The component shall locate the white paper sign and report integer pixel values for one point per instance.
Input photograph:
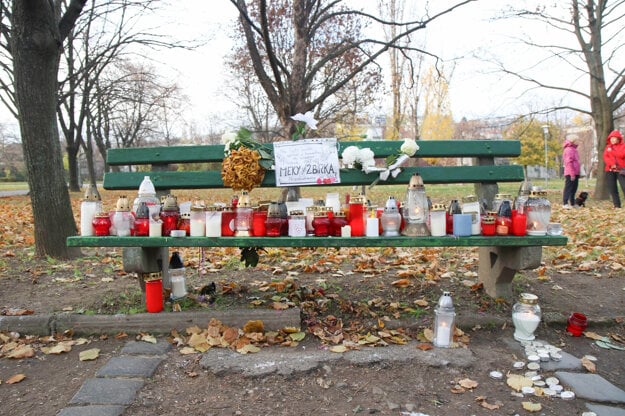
(306, 162)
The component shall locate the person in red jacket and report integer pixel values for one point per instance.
(614, 159)
(570, 158)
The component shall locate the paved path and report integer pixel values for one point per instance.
(18, 192)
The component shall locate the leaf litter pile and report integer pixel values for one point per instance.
(349, 298)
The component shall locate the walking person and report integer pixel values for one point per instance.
(614, 159)
(570, 158)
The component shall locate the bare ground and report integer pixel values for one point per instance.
(358, 287)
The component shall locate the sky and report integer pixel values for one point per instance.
(475, 91)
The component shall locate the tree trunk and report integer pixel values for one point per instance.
(73, 167)
(36, 51)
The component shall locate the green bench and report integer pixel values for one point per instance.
(500, 257)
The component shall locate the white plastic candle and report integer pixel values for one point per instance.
(443, 335)
(156, 228)
(373, 227)
(346, 231)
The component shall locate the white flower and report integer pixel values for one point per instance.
(306, 118)
(366, 157)
(349, 155)
(228, 139)
(409, 147)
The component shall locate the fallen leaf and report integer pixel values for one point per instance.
(424, 347)
(298, 336)
(401, 283)
(589, 365)
(249, 348)
(467, 383)
(89, 355)
(15, 378)
(148, 338)
(532, 407)
(421, 302)
(187, 351)
(23, 351)
(517, 381)
(338, 348)
(594, 335)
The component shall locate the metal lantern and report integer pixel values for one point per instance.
(416, 211)
(444, 322)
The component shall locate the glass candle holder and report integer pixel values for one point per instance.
(101, 224)
(227, 222)
(519, 224)
(321, 224)
(538, 211)
(526, 316)
(337, 223)
(577, 324)
(356, 216)
(437, 220)
(259, 219)
(297, 224)
(488, 225)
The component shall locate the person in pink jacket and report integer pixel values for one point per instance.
(570, 158)
(614, 159)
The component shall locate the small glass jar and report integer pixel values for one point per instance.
(273, 224)
(337, 223)
(170, 215)
(488, 224)
(243, 219)
(102, 224)
(538, 211)
(438, 225)
(321, 224)
(526, 316)
(297, 224)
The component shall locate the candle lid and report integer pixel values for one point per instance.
(102, 214)
(528, 298)
(439, 207)
(360, 199)
(92, 194)
(296, 213)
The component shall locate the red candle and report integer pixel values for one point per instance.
(142, 226)
(273, 226)
(503, 225)
(227, 223)
(577, 324)
(258, 223)
(519, 223)
(488, 225)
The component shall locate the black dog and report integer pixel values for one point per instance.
(580, 201)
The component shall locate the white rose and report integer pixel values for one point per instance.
(349, 155)
(228, 138)
(409, 147)
(365, 155)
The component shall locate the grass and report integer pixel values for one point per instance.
(13, 186)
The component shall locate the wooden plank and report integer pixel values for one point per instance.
(382, 149)
(447, 241)
(212, 179)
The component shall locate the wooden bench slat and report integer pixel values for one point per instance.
(447, 241)
(215, 153)
(212, 179)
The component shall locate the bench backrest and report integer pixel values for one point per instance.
(483, 169)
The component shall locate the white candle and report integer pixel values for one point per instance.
(156, 228)
(443, 335)
(373, 227)
(346, 231)
(178, 287)
(525, 324)
(197, 228)
(213, 224)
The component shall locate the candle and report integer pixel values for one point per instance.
(197, 228)
(373, 228)
(155, 228)
(346, 231)
(443, 335)
(525, 324)
(519, 224)
(213, 223)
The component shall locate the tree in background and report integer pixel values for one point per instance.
(438, 122)
(304, 66)
(590, 45)
(530, 133)
(37, 33)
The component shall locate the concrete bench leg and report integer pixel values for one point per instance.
(498, 265)
(147, 260)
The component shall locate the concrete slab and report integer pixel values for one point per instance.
(28, 324)
(146, 348)
(107, 391)
(602, 410)
(301, 359)
(92, 411)
(165, 322)
(568, 362)
(591, 387)
(129, 366)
